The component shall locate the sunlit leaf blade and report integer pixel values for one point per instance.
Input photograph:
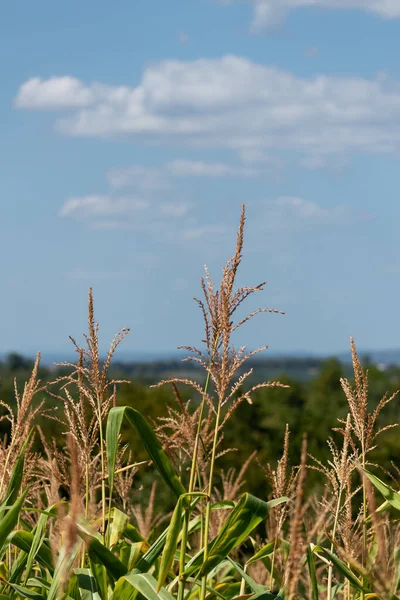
(73, 588)
(277, 501)
(24, 541)
(39, 534)
(99, 572)
(25, 592)
(129, 553)
(143, 583)
(247, 514)
(9, 521)
(149, 558)
(149, 440)
(17, 568)
(387, 492)
(63, 569)
(132, 534)
(99, 552)
(15, 482)
(116, 526)
(341, 567)
(171, 543)
(256, 588)
(87, 585)
(263, 552)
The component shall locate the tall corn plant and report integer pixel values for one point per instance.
(88, 548)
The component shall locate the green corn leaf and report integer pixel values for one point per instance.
(313, 573)
(197, 584)
(174, 531)
(392, 497)
(339, 587)
(14, 484)
(263, 552)
(100, 553)
(247, 514)
(256, 588)
(24, 541)
(17, 568)
(149, 440)
(132, 534)
(99, 572)
(25, 592)
(113, 565)
(143, 583)
(195, 523)
(73, 588)
(37, 541)
(277, 501)
(9, 521)
(129, 554)
(87, 585)
(63, 568)
(117, 526)
(38, 582)
(171, 543)
(149, 558)
(225, 589)
(341, 567)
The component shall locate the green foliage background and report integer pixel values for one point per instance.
(312, 404)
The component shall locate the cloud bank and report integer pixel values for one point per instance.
(269, 13)
(228, 103)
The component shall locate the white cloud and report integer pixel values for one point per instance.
(110, 212)
(93, 206)
(192, 168)
(143, 178)
(170, 220)
(156, 179)
(269, 13)
(174, 209)
(295, 212)
(54, 93)
(235, 104)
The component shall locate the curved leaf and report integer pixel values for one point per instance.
(144, 583)
(87, 584)
(263, 552)
(247, 514)
(149, 440)
(171, 543)
(24, 541)
(341, 567)
(173, 534)
(9, 521)
(99, 552)
(392, 497)
(15, 482)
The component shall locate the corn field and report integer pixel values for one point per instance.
(219, 541)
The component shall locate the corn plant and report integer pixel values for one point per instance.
(213, 545)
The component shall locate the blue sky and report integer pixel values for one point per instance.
(133, 131)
